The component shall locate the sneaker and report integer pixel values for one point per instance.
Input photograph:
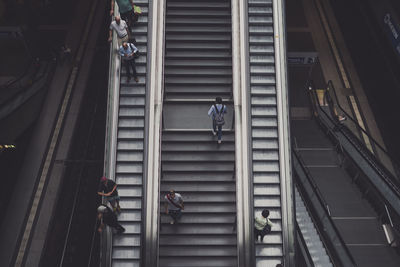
(136, 79)
(219, 141)
(172, 222)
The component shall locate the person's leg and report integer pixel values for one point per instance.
(125, 17)
(214, 126)
(112, 203)
(256, 234)
(126, 63)
(262, 237)
(124, 39)
(118, 206)
(120, 40)
(119, 228)
(173, 214)
(219, 132)
(133, 66)
(178, 215)
(114, 224)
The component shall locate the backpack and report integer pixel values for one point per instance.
(219, 116)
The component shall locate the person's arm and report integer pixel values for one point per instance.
(101, 194)
(211, 110)
(112, 191)
(269, 222)
(121, 53)
(127, 30)
(112, 8)
(181, 203)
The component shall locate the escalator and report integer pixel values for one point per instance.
(198, 67)
(271, 185)
(345, 173)
(127, 140)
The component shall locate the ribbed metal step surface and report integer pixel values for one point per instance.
(311, 237)
(198, 67)
(130, 143)
(264, 129)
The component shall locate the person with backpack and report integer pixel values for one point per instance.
(128, 53)
(262, 225)
(174, 205)
(107, 217)
(217, 112)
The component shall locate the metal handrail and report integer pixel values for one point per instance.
(302, 242)
(20, 77)
(327, 240)
(380, 170)
(330, 87)
(311, 180)
(110, 138)
(283, 114)
(385, 174)
(47, 71)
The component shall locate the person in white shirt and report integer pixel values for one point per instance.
(121, 28)
(173, 205)
(262, 225)
(128, 52)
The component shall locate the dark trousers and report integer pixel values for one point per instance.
(258, 233)
(217, 129)
(175, 214)
(130, 63)
(262, 233)
(127, 16)
(111, 220)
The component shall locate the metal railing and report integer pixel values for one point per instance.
(376, 150)
(111, 138)
(20, 95)
(303, 247)
(330, 237)
(378, 183)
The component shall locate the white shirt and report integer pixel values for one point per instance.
(121, 29)
(177, 200)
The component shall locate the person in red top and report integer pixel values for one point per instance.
(108, 189)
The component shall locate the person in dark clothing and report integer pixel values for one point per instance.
(107, 217)
(128, 53)
(108, 189)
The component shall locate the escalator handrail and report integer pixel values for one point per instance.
(110, 138)
(309, 204)
(20, 77)
(361, 129)
(365, 153)
(311, 180)
(302, 242)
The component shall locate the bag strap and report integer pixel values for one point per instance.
(173, 203)
(218, 111)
